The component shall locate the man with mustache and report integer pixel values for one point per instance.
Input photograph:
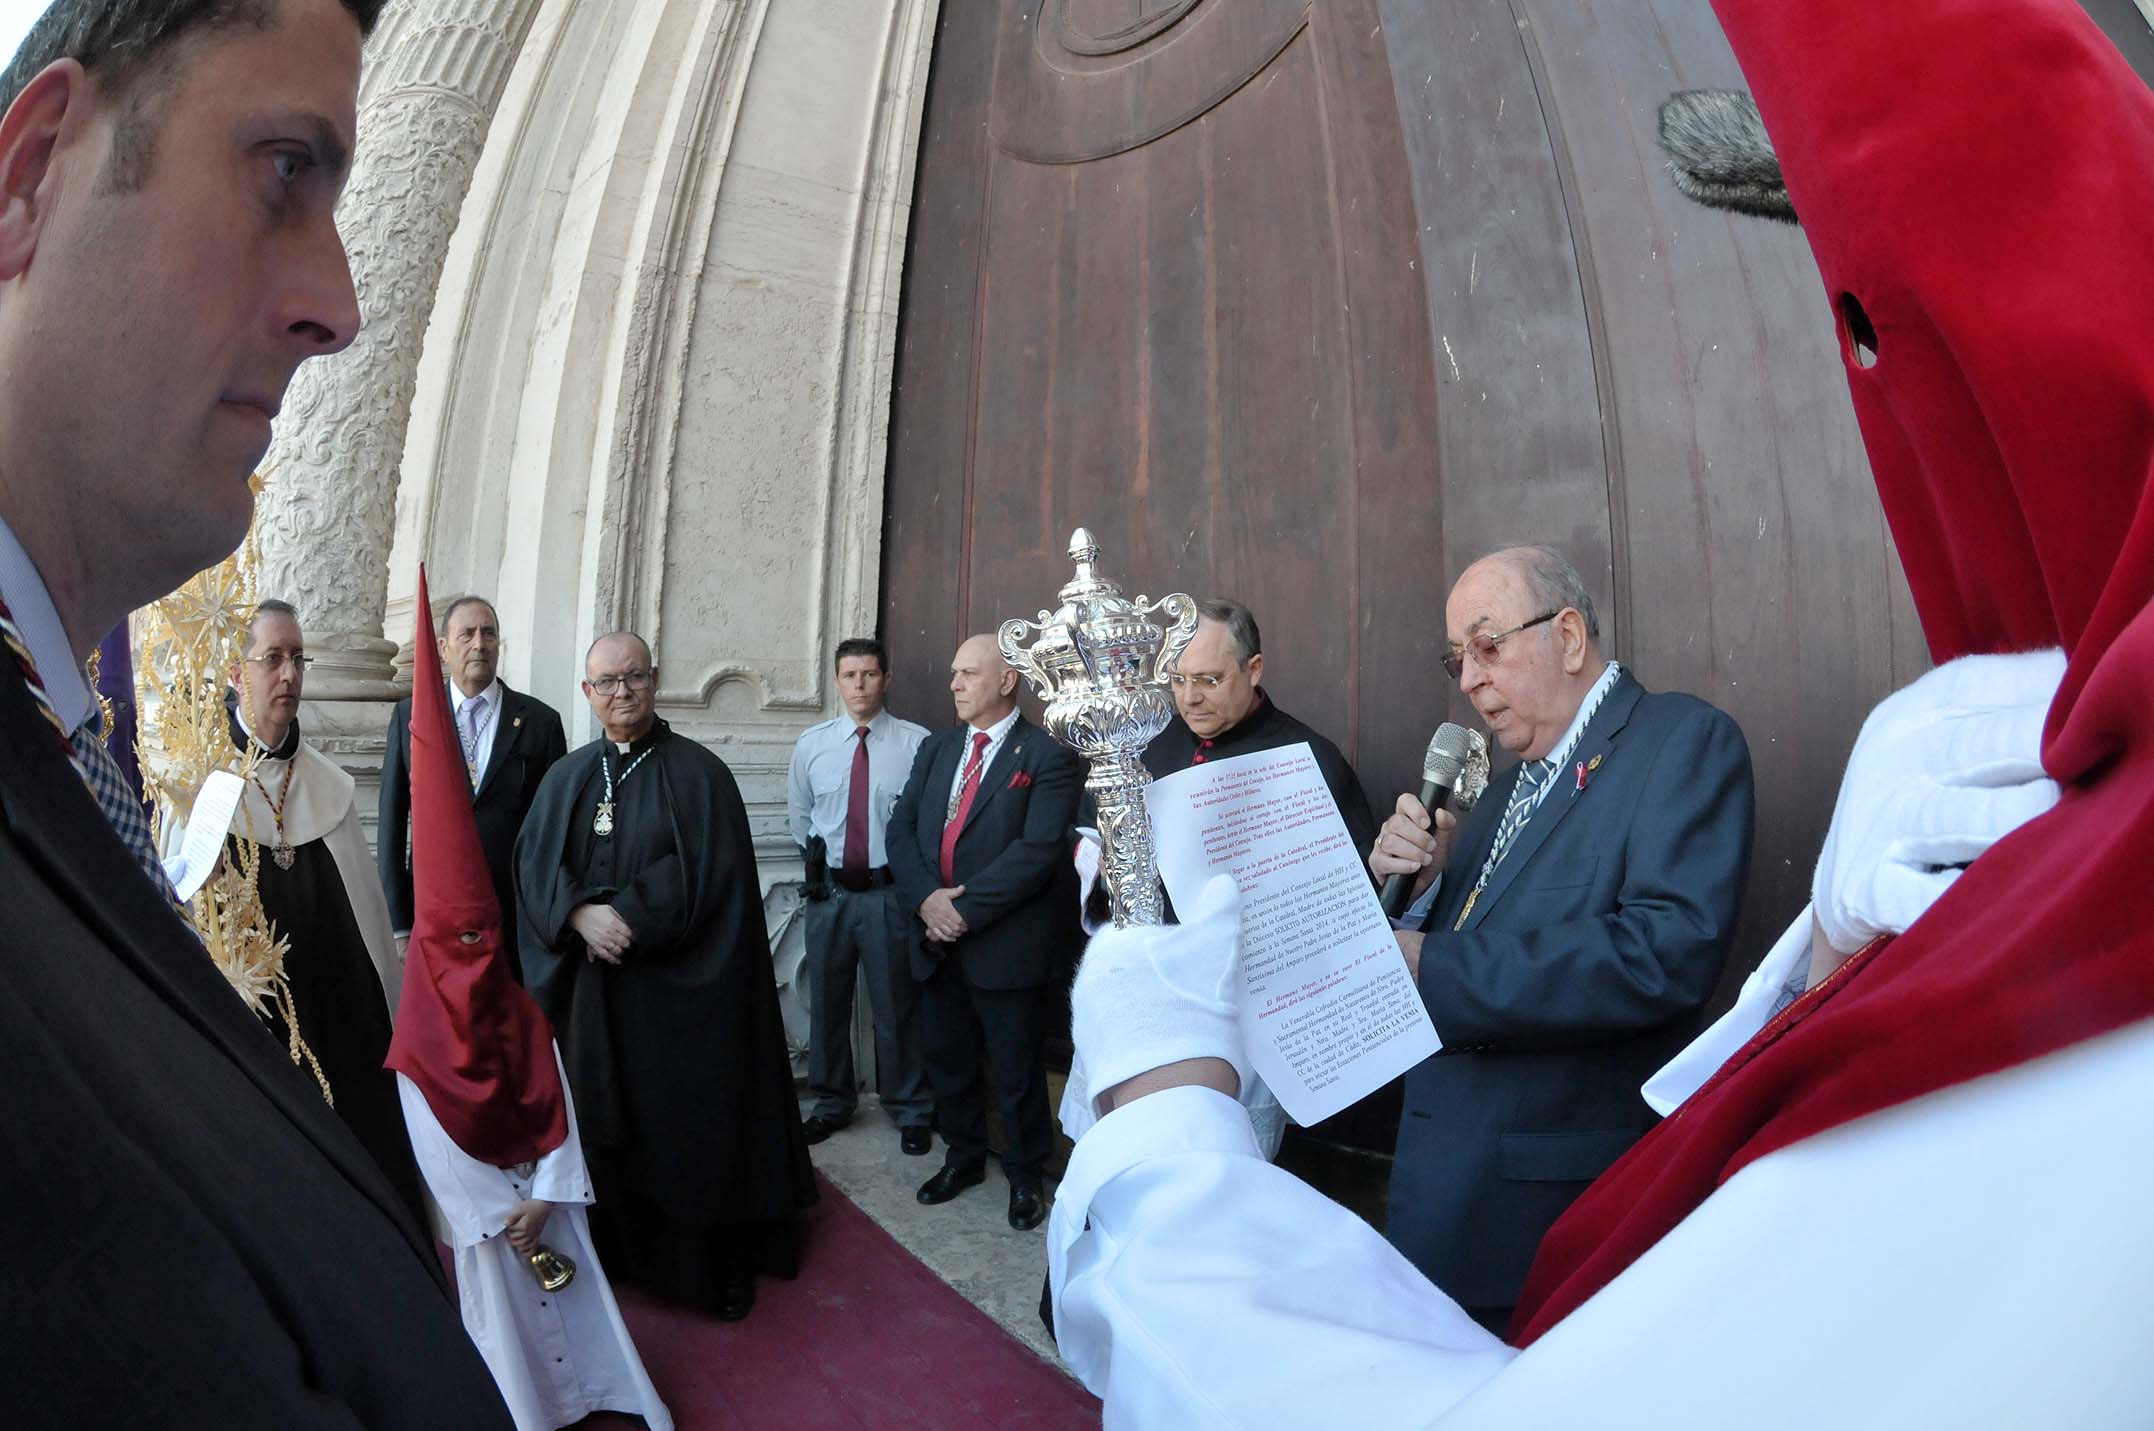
(510, 739)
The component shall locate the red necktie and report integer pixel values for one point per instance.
(853, 873)
(956, 827)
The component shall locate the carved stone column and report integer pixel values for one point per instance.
(436, 72)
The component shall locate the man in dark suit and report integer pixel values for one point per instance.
(510, 741)
(1580, 922)
(979, 847)
(193, 1238)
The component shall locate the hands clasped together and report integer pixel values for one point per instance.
(939, 913)
(606, 936)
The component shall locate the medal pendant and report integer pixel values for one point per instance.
(603, 824)
(282, 854)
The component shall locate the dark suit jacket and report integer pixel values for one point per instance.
(192, 1238)
(1581, 969)
(527, 741)
(1013, 857)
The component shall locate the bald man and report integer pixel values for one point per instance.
(641, 922)
(979, 848)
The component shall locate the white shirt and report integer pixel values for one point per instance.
(489, 719)
(1978, 1257)
(996, 734)
(819, 782)
(57, 666)
(1559, 753)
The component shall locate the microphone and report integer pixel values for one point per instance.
(1440, 769)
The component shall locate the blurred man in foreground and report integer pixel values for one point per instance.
(194, 1238)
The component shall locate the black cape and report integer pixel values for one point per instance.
(676, 1057)
(336, 995)
(1268, 728)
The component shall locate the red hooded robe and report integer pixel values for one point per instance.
(1977, 180)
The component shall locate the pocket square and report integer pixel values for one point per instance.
(1021, 780)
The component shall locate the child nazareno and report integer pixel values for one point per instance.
(490, 1119)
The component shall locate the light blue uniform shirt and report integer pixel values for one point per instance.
(821, 778)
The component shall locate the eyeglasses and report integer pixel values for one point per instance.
(273, 660)
(1203, 683)
(1486, 649)
(633, 680)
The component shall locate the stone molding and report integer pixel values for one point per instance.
(657, 267)
(435, 75)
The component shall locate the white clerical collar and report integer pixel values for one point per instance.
(57, 666)
(1609, 675)
(1000, 728)
(491, 695)
(239, 713)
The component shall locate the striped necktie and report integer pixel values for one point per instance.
(1532, 775)
(471, 738)
(86, 751)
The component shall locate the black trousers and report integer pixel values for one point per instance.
(846, 933)
(960, 1024)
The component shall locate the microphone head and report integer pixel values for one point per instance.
(1448, 751)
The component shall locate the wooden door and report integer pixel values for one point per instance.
(1310, 303)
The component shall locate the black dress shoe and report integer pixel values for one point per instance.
(816, 1128)
(1027, 1207)
(950, 1182)
(916, 1140)
(736, 1298)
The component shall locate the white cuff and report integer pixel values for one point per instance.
(1787, 961)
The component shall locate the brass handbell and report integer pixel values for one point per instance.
(552, 1269)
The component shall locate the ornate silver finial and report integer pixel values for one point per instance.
(1101, 666)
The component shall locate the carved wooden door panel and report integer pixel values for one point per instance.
(1163, 284)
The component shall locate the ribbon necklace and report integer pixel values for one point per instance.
(602, 823)
(281, 851)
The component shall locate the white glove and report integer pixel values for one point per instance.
(1087, 856)
(1943, 769)
(1152, 995)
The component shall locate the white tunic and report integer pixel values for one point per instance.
(1980, 1257)
(557, 1356)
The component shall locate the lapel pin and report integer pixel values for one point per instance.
(517, 724)
(1586, 768)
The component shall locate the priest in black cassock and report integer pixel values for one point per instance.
(316, 881)
(641, 921)
(1221, 711)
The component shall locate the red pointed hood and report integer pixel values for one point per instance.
(467, 1034)
(1977, 180)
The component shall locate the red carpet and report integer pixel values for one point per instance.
(866, 1338)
